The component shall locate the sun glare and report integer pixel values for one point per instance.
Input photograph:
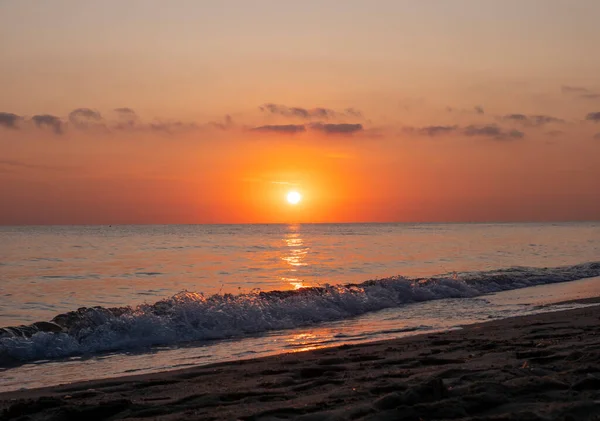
(294, 197)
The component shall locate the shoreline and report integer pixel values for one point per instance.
(538, 366)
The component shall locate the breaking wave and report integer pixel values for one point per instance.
(190, 316)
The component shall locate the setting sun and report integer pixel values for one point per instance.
(294, 197)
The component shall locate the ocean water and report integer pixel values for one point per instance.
(138, 299)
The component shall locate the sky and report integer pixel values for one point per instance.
(193, 111)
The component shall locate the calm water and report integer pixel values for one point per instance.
(45, 271)
(48, 270)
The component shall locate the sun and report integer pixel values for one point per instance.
(293, 197)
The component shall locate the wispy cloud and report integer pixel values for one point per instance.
(127, 119)
(47, 120)
(342, 128)
(580, 92)
(125, 111)
(478, 109)
(309, 113)
(9, 120)
(326, 128)
(171, 127)
(123, 119)
(86, 118)
(595, 117)
(492, 131)
(533, 120)
(574, 89)
(432, 131)
(281, 128)
(226, 124)
(20, 164)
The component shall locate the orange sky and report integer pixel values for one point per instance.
(211, 114)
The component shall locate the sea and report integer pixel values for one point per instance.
(89, 302)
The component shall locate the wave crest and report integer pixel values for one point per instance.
(190, 316)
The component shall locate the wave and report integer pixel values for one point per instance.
(190, 316)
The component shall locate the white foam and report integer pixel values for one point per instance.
(190, 316)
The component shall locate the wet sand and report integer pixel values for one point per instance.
(542, 367)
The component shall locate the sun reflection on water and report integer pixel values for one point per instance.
(304, 342)
(294, 256)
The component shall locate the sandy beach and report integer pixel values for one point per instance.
(538, 367)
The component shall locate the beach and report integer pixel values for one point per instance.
(539, 367)
(314, 210)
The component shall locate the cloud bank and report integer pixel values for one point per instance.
(490, 131)
(281, 128)
(337, 128)
(329, 128)
(533, 120)
(309, 113)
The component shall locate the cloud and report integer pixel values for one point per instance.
(539, 120)
(281, 128)
(47, 120)
(12, 163)
(20, 164)
(555, 133)
(574, 90)
(492, 131)
(432, 131)
(85, 118)
(226, 125)
(475, 110)
(9, 120)
(581, 92)
(170, 127)
(127, 118)
(125, 111)
(342, 128)
(515, 117)
(352, 112)
(595, 117)
(305, 113)
(533, 120)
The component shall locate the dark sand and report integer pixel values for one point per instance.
(541, 367)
